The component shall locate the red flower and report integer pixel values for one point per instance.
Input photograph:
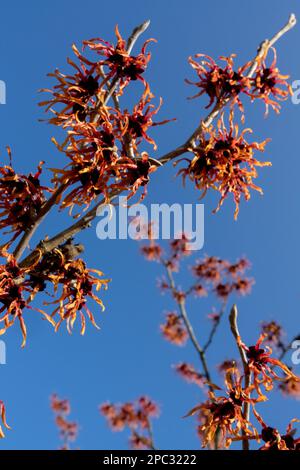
(225, 278)
(96, 166)
(275, 441)
(261, 364)
(13, 287)
(225, 414)
(68, 429)
(189, 373)
(136, 416)
(273, 332)
(152, 252)
(120, 64)
(77, 284)
(209, 269)
(76, 93)
(291, 387)
(270, 86)
(60, 406)
(136, 124)
(219, 83)
(180, 247)
(224, 161)
(174, 330)
(21, 199)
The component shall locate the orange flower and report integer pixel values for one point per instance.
(136, 416)
(224, 414)
(219, 83)
(269, 85)
(275, 441)
(120, 64)
(77, 283)
(224, 161)
(261, 364)
(290, 387)
(274, 333)
(68, 430)
(96, 165)
(224, 277)
(152, 252)
(174, 330)
(3, 419)
(77, 93)
(60, 406)
(13, 287)
(21, 198)
(189, 373)
(136, 124)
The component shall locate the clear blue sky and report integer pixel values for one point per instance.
(128, 357)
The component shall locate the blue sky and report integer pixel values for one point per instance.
(128, 357)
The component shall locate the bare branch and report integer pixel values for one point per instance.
(188, 325)
(235, 331)
(23, 243)
(215, 327)
(47, 245)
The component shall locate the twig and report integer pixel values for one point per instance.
(286, 348)
(151, 436)
(215, 327)
(47, 245)
(235, 331)
(188, 325)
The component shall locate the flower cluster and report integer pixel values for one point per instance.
(275, 441)
(21, 199)
(134, 126)
(174, 329)
(121, 65)
(222, 276)
(14, 287)
(68, 430)
(223, 418)
(224, 161)
(75, 95)
(102, 142)
(136, 416)
(219, 83)
(274, 334)
(290, 387)
(224, 414)
(58, 268)
(225, 83)
(76, 283)
(262, 365)
(269, 85)
(190, 374)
